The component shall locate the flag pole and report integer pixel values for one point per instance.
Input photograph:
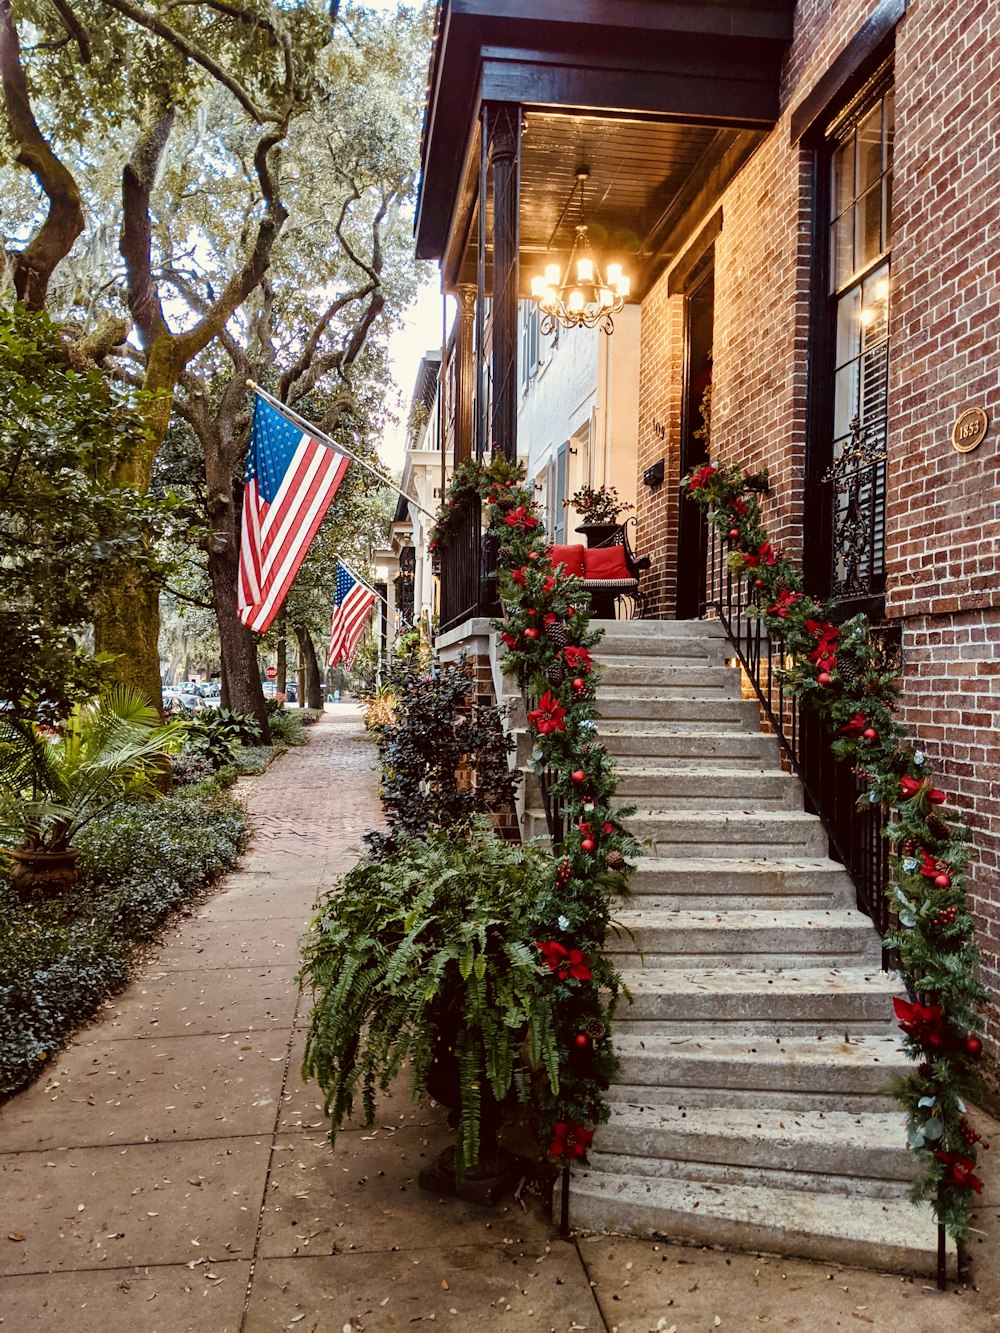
(337, 448)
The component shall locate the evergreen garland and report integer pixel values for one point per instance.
(546, 632)
(840, 672)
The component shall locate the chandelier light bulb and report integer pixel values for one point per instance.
(575, 303)
(553, 275)
(614, 275)
(538, 286)
(585, 269)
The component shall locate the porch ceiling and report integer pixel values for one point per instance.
(654, 96)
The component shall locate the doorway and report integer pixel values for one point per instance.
(692, 525)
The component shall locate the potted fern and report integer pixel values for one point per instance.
(419, 957)
(53, 783)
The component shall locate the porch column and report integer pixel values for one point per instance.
(465, 370)
(503, 122)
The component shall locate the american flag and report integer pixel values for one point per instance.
(351, 609)
(290, 480)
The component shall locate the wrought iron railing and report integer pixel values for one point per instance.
(460, 563)
(832, 790)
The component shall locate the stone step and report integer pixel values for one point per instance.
(741, 884)
(615, 630)
(719, 713)
(697, 747)
(653, 787)
(888, 1234)
(819, 1001)
(760, 833)
(767, 939)
(624, 648)
(683, 675)
(809, 1150)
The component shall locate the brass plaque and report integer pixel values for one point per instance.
(969, 429)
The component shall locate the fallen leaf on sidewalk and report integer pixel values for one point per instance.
(14, 1235)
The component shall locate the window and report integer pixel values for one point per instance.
(558, 491)
(530, 342)
(858, 286)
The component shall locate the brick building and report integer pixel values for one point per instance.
(807, 195)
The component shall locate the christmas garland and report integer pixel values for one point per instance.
(839, 671)
(471, 477)
(548, 639)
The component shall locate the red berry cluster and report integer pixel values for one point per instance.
(970, 1136)
(564, 872)
(944, 918)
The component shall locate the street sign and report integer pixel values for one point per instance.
(271, 672)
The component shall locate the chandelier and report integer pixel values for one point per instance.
(580, 295)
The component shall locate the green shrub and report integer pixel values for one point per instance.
(60, 959)
(287, 726)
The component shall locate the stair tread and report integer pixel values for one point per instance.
(722, 865)
(860, 1050)
(886, 1129)
(885, 1222)
(744, 919)
(714, 817)
(727, 980)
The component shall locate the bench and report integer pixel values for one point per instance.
(610, 574)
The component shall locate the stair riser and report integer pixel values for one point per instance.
(826, 1080)
(717, 712)
(753, 942)
(648, 674)
(725, 750)
(750, 850)
(656, 804)
(850, 1176)
(708, 630)
(625, 955)
(683, 650)
(791, 1100)
(838, 1012)
(598, 1213)
(681, 1029)
(798, 886)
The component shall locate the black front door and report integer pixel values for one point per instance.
(692, 531)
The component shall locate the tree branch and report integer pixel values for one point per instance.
(305, 358)
(155, 25)
(75, 29)
(138, 178)
(34, 265)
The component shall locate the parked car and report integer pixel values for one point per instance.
(181, 701)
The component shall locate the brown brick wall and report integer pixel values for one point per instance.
(943, 519)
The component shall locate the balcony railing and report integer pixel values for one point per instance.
(832, 790)
(467, 567)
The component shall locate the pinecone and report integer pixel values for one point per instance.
(505, 505)
(937, 828)
(615, 861)
(595, 1029)
(506, 554)
(849, 670)
(556, 673)
(558, 634)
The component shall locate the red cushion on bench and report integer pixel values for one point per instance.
(605, 562)
(570, 557)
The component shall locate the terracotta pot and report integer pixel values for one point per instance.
(36, 874)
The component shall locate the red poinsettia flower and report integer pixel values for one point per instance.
(786, 600)
(931, 867)
(518, 576)
(853, 729)
(738, 508)
(549, 714)
(699, 478)
(911, 786)
(922, 1022)
(767, 553)
(962, 1170)
(549, 618)
(578, 659)
(569, 1139)
(520, 518)
(565, 962)
(509, 639)
(548, 583)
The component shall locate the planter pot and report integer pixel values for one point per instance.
(43, 874)
(599, 534)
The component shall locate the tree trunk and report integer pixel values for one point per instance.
(127, 625)
(312, 697)
(281, 680)
(240, 672)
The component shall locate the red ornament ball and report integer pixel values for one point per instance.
(734, 534)
(531, 633)
(941, 881)
(870, 734)
(579, 775)
(582, 1040)
(579, 683)
(758, 583)
(532, 555)
(823, 678)
(588, 844)
(973, 1045)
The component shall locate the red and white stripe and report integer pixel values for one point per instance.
(348, 623)
(275, 537)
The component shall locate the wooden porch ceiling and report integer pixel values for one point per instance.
(661, 99)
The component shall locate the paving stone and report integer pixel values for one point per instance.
(198, 1002)
(163, 1203)
(174, 1299)
(506, 1287)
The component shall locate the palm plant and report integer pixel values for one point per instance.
(52, 784)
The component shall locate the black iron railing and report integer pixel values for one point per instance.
(853, 825)
(461, 559)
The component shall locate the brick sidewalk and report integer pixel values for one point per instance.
(172, 1172)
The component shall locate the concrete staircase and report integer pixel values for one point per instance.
(753, 1109)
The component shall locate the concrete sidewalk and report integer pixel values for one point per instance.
(172, 1171)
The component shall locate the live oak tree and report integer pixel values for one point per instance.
(223, 196)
